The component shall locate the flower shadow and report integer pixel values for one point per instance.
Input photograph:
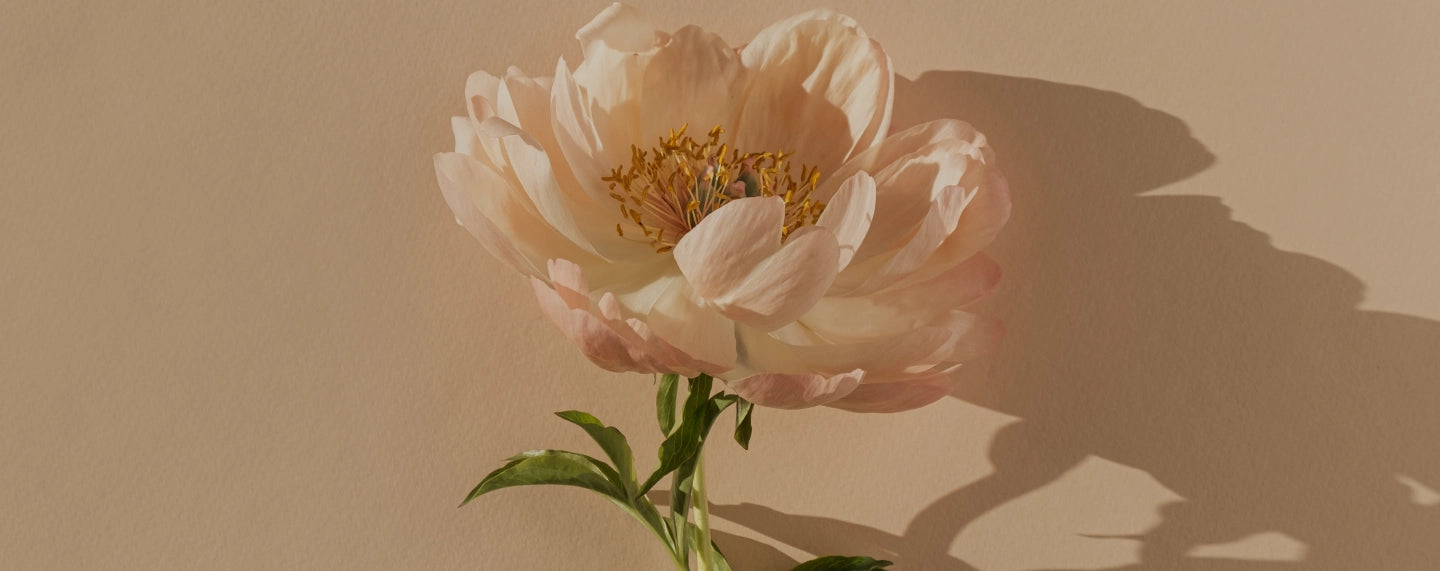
(1159, 333)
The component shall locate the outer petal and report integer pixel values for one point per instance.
(499, 216)
(848, 214)
(821, 89)
(881, 357)
(602, 332)
(895, 397)
(881, 270)
(906, 308)
(985, 214)
(795, 391)
(597, 341)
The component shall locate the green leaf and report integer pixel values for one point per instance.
(612, 442)
(665, 402)
(551, 467)
(682, 445)
(842, 563)
(742, 423)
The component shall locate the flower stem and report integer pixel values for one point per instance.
(700, 507)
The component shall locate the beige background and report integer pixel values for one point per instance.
(239, 329)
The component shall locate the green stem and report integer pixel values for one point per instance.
(700, 502)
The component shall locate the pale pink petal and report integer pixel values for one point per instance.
(972, 336)
(597, 341)
(721, 252)
(821, 89)
(895, 397)
(848, 214)
(569, 282)
(696, 79)
(795, 391)
(682, 320)
(785, 285)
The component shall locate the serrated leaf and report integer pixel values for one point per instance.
(551, 467)
(613, 442)
(842, 563)
(665, 402)
(743, 427)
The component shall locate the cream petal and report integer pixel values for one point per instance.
(984, 215)
(481, 92)
(592, 147)
(496, 213)
(906, 191)
(821, 89)
(682, 320)
(787, 284)
(889, 356)
(795, 391)
(895, 397)
(899, 309)
(911, 141)
(722, 251)
(848, 214)
(695, 79)
(618, 27)
(570, 210)
(878, 271)
(466, 142)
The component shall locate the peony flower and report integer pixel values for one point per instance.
(681, 205)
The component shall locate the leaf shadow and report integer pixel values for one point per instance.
(1157, 332)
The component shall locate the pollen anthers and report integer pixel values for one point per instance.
(669, 189)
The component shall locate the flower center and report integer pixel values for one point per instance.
(669, 189)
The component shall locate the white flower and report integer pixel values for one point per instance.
(685, 206)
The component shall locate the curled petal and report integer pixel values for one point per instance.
(895, 397)
(848, 214)
(736, 263)
(498, 215)
(599, 342)
(729, 244)
(794, 391)
(821, 88)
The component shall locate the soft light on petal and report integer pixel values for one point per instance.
(895, 397)
(821, 89)
(848, 214)
(795, 391)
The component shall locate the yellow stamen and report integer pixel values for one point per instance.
(684, 180)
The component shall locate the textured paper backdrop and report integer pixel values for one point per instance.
(239, 329)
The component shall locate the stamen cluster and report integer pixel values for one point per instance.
(669, 189)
